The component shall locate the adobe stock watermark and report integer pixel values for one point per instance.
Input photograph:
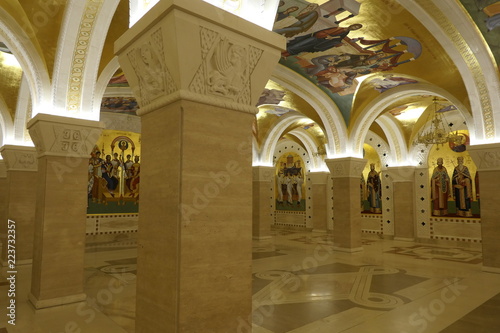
(425, 315)
(87, 310)
(287, 281)
(218, 181)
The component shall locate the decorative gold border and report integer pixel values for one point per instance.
(469, 58)
(82, 45)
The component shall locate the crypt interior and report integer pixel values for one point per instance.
(249, 166)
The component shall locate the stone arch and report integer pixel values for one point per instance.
(335, 127)
(77, 60)
(456, 32)
(372, 111)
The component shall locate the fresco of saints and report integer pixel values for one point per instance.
(440, 186)
(462, 188)
(374, 189)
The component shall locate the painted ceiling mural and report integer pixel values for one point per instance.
(337, 44)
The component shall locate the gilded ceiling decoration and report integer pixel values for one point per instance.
(337, 44)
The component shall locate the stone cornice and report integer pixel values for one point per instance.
(486, 157)
(263, 173)
(19, 158)
(401, 173)
(184, 95)
(319, 178)
(63, 136)
(346, 167)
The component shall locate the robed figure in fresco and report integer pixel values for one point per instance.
(440, 186)
(374, 189)
(462, 188)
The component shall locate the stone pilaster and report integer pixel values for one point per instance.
(20, 201)
(63, 147)
(345, 173)
(487, 159)
(403, 183)
(263, 190)
(320, 204)
(197, 73)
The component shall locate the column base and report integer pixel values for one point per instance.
(491, 269)
(348, 249)
(404, 239)
(48, 303)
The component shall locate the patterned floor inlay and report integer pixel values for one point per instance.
(300, 297)
(483, 319)
(429, 253)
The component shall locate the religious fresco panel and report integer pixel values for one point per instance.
(114, 173)
(290, 183)
(454, 180)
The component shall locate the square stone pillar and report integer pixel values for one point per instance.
(403, 183)
(346, 214)
(320, 201)
(63, 146)
(487, 160)
(197, 73)
(3, 205)
(263, 192)
(20, 199)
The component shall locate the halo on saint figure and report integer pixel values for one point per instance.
(460, 144)
(123, 145)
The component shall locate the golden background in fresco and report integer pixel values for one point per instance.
(371, 155)
(380, 20)
(450, 160)
(267, 119)
(107, 137)
(10, 81)
(284, 158)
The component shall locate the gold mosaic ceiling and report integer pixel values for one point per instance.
(351, 87)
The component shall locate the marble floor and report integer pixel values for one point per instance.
(299, 285)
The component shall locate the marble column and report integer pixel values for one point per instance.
(63, 146)
(403, 184)
(487, 159)
(20, 191)
(320, 201)
(197, 73)
(263, 191)
(345, 173)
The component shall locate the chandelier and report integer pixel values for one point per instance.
(437, 132)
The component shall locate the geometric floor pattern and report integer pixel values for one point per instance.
(300, 285)
(439, 253)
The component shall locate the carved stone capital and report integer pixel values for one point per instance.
(19, 158)
(263, 173)
(401, 173)
(319, 178)
(486, 157)
(346, 167)
(193, 50)
(63, 136)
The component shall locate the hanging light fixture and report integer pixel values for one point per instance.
(437, 133)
